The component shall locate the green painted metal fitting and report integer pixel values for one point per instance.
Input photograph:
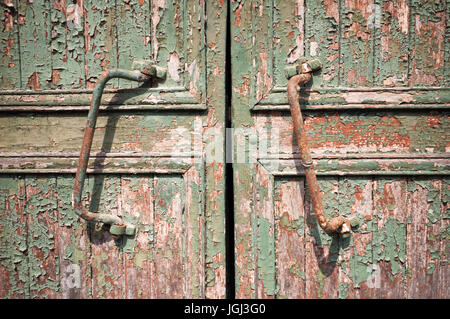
(345, 235)
(117, 229)
(148, 67)
(315, 64)
(122, 230)
(302, 66)
(290, 71)
(355, 221)
(130, 230)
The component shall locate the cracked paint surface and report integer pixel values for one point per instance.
(369, 50)
(52, 54)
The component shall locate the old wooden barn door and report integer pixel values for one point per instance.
(148, 163)
(377, 122)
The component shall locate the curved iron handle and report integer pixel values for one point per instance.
(144, 72)
(337, 223)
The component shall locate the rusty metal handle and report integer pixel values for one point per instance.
(337, 223)
(144, 71)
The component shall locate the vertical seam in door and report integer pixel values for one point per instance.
(229, 193)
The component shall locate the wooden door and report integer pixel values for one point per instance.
(148, 160)
(378, 126)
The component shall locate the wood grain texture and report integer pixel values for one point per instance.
(290, 239)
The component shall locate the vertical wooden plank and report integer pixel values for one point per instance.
(14, 273)
(72, 242)
(444, 237)
(194, 240)
(10, 53)
(137, 202)
(424, 210)
(264, 233)
(288, 41)
(188, 46)
(290, 239)
(435, 251)
(427, 42)
(168, 42)
(389, 239)
(170, 281)
(322, 34)
(214, 171)
(100, 33)
(241, 76)
(262, 50)
(43, 259)
(322, 249)
(67, 44)
(356, 45)
(35, 37)
(356, 271)
(447, 46)
(133, 33)
(391, 21)
(107, 258)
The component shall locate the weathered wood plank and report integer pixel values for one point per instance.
(347, 132)
(265, 254)
(214, 171)
(444, 237)
(286, 35)
(137, 203)
(14, 271)
(119, 164)
(194, 239)
(9, 41)
(133, 35)
(245, 269)
(263, 54)
(35, 39)
(169, 280)
(72, 242)
(100, 33)
(115, 132)
(107, 257)
(67, 44)
(389, 238)
(322, 32)
(359, 98)
(422, 249)
(189, 46)
(356, 273)
(427, 42)
(290, 238)
(392, 52)
(322, 250)
(167, 19)
(43, 260)
(356, 43)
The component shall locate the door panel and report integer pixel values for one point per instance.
(149, 163)
(376, 117)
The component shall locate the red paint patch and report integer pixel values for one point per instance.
(33, 81)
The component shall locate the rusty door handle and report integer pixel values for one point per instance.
(303, 75)
(143, 71)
